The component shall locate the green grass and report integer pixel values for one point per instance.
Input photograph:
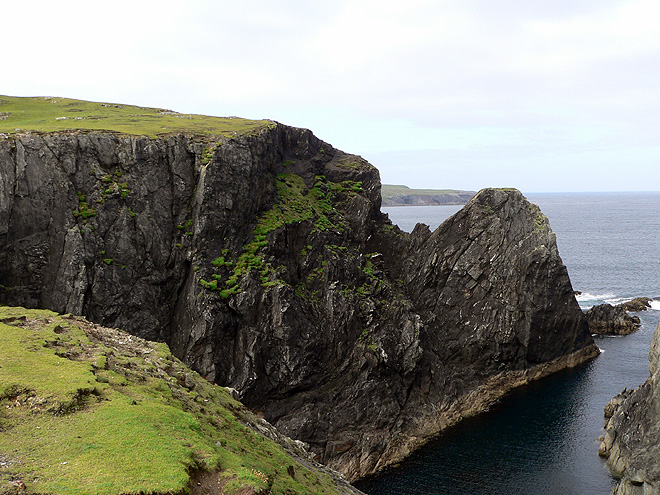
(46, 114)
(87, 410)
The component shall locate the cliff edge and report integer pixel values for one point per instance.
(263, 260)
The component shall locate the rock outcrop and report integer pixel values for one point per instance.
(264, 261)
(637, 304)
(632, 433)
(605, 319)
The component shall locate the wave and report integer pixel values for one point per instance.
(586, 300)
(586, 296)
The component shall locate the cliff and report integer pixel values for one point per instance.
(93, 410)
(394, 195)
(632, 436)
(262, 258)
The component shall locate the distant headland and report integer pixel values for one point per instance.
(398, 195)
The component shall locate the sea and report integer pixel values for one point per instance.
(543, 438)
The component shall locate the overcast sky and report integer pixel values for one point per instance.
(543, 96)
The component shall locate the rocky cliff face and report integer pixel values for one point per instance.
(264, 262)
(632, 434)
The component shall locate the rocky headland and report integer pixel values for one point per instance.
(632, 433)
(397, 195)
(262, 259)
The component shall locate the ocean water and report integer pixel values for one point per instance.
(542, 438)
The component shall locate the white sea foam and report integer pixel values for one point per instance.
(616, 300)
(586, 300)
(586, 296)
(655, 304)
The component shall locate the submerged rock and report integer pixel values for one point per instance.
(264, 261)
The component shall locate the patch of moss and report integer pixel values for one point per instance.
(207, 155)
(213, 285)
(83, 211)
(220, 262)
(354, 163)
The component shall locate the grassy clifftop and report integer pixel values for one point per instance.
(90, 410)
(49, 114)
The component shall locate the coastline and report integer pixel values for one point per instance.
(476, 401)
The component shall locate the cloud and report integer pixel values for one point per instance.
(369, 76)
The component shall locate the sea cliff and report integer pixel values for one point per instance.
(262, 258)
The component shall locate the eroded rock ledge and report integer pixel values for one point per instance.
(265, 263)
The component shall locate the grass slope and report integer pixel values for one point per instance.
(90, 410)
(49, 114)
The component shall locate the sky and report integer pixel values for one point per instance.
(553, 96)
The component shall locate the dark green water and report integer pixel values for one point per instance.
(542, 439)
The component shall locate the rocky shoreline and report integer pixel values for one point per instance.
(631, 444)
(476, 402)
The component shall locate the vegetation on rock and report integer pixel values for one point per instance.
(295, 203)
